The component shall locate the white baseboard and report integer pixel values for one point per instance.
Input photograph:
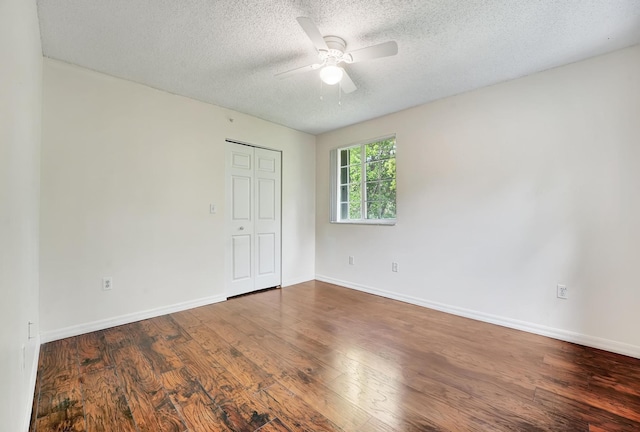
(555, 333)
(295, 281)
(32, 383)
(75, 330)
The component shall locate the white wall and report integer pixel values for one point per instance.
(20, 108)
(503, 193)
(128, 173)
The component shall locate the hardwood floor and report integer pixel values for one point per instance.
(318, 357)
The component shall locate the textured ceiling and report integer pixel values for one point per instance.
(227, 52)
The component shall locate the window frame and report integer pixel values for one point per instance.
(335, 166)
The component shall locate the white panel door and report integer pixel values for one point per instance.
(240, 197)
(253, 218)
(267, 217)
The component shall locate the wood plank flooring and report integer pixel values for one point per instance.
(318, 357)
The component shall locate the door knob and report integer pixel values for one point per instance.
(241, 228)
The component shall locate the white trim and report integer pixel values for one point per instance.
(365, 141)
(387, 222)
(555, 333)
(32, 384)
(233, 141)
(75, 330)
(295, 281)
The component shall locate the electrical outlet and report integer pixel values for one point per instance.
(212, 208)
(351, 260)
(563, 292)
(107, 283)
(394, 267)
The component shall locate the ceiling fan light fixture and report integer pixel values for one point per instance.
(331, 74)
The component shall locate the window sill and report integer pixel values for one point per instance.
(387, 222)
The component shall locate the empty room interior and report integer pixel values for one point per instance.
(319, 216)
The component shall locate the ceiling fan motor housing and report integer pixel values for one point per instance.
(335, 53)
(335, 43)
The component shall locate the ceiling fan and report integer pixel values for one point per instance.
(331, 52)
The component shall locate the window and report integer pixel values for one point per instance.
(364, 182)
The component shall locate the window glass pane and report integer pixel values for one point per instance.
(354, 211)
(355, 155)
(381, 210)
(390, 212)
(344, 157)
(372, 192)
(384, 190)
(343, 193)
(381, 150)
(344, 211)
(344, 175)
(381, 199)
(355, 173)
(355, 193)
(374, 209)
(384, 169)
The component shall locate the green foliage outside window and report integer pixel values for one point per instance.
(367, 181)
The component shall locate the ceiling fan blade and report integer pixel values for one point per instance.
(373, 52)
(287, 74)
(312, 31)
(347, 83)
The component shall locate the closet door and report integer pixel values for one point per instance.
(253, 201)
(267, 225)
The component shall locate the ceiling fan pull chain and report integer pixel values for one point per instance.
(321, 97)
(339, 94)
